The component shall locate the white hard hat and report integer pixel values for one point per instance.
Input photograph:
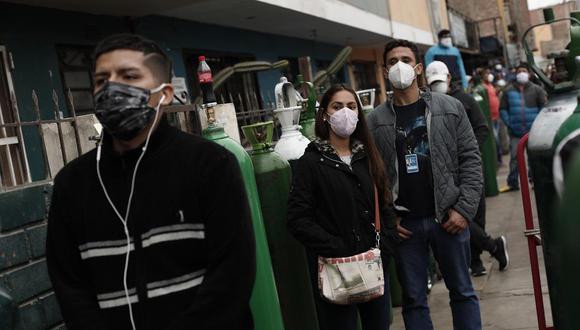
(436, 71)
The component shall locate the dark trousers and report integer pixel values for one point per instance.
(480, 240)
(452, 252)
(374, 314)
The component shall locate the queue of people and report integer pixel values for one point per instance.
(132, 244)
(514, 103)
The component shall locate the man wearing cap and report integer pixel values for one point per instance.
(439, 80)
(445, 52)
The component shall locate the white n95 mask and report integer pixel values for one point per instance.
(401, 75)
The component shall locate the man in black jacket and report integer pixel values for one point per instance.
(439, 80)
(152, 229)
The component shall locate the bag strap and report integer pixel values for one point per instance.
(377, 217)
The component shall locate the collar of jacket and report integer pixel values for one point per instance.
(159, 137)
(424, 93)
(323, 146)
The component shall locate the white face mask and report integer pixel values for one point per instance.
(490, 78)
(498, 67)
(440, 87)
(343, 122)
(446, 42)
(402, 75)
(523, 78)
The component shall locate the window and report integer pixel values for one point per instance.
(75, 69)
(13, 162)
(365, 75)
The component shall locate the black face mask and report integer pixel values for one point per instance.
(124, 110)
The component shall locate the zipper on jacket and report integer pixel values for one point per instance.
(523, 109)
(428, 120)
(354, 231)
(395, 148)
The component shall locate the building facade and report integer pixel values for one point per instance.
(554, 37)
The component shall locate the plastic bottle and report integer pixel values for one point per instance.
(205, 81)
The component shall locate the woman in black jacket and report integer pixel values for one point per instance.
(331, 204)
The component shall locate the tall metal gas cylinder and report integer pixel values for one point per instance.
(308, 100)
(292, 143)
(568, 219)
(488, 152)
(562, 102)
(264, 302)
(540, 157)
(274, 177)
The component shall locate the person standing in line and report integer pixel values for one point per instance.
(330, 207)
(488, 79)
(434, 170)
(152, 229)
(445, 52)
(439, 80)
(519, 106)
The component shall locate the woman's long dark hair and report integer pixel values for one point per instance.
(361, 133)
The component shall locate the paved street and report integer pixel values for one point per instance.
(507, 300)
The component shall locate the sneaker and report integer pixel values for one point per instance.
(501, 253)
(477, 268)
(509, 188)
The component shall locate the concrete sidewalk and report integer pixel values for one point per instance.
(507, 299)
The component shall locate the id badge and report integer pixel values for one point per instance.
(412, 163)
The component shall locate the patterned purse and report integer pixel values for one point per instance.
(354, 279)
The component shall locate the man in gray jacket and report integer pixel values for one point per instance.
(434, 167)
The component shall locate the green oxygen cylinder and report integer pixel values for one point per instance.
(540, 152)
(274, 177)
(566, 262)
(488, 150)
(264, 302)
(567, 230)
(307, 121)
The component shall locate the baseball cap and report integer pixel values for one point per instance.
(436, 71)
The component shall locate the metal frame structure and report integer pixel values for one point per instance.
(532, 234)
(38, 123)
(6, 142)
